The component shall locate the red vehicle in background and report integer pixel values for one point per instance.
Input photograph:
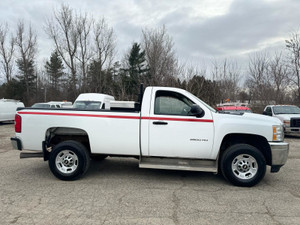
(233, 109)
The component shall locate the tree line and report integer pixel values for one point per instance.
(83, 60)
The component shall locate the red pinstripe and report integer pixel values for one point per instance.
(118, 117)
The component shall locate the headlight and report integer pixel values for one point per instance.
(286, 123)
(278, 134)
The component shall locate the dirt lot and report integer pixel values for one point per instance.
(116, 191)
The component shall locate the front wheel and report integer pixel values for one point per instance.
(243, 165)
(69, 160)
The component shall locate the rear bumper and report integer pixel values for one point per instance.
(280, 152)
(16, 143)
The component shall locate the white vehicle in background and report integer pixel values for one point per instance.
(53, 104)
(8, 109)
(289, 115)
(61, 104)
(93, 101)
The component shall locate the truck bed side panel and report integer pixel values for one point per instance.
(108, 132)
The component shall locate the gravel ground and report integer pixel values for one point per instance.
(116, 191)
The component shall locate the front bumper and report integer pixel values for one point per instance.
(16, 143)
(280, 152)
(292, 130)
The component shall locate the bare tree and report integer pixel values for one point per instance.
(6, 52)
(86, 47)
(62, 29)
(258, 80)
(84, 52)
(293, 45)
(197, 83)
(227, 75)
(189, 73)
(104, 42)
(278, 73)
(160, 56)
(26, 43)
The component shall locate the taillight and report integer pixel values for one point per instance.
(18, 123)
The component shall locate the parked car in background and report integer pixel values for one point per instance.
(289, 115)
(61, 104)
(53, 104)
(93, 101)
(233, 109)
(8, 109)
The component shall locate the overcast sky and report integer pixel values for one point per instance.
(201, 29)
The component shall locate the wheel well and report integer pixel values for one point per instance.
(56, 135)
(257, 141)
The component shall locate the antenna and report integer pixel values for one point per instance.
(141, 93)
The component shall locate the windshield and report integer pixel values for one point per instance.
(40, 105)
(91, 105)
(286, 109)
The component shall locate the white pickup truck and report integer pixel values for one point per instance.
(289, 115)
(169, 129)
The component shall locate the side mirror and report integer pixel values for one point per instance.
(197, 111)
(267, 113)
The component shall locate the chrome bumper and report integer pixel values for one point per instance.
(280, 152)
(292, 130)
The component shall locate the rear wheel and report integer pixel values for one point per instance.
(243, 165)
(69, 160)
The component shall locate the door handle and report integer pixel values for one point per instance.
(160, 123)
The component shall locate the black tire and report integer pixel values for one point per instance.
(69, 160)
(243, 165)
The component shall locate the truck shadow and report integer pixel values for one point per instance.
(6, 123)
(128, 169)
(292, 136)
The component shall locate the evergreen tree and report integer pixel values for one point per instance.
(136, 70)
(12, 90)
(54, 69)
(99, 81)
(26, 42)
(27, 77)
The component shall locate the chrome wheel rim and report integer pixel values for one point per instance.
(66, 161)
(244, 166)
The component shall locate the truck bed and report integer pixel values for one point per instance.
(104, 128)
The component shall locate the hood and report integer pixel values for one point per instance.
(287, 116)
(248, 123)
(257, 118)
(260, 117)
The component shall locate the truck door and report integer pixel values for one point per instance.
(174, 132)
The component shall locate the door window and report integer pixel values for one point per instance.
(172, 103)
(269, 111)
